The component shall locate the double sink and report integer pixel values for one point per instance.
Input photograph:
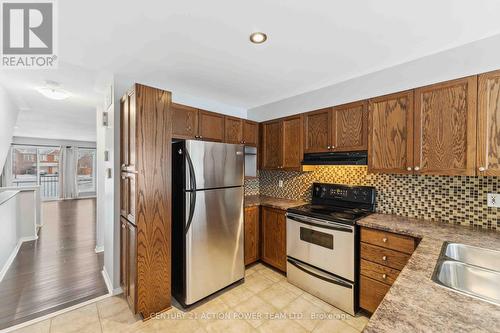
(470, 270)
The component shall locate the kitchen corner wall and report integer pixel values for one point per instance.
(458, 200)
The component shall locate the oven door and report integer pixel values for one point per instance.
(326, 245)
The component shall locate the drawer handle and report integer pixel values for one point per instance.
(384, 239)
(384, 276)
(384, 258)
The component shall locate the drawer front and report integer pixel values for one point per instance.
(386, 257)
(371, 293)
(378, 272)
(388, 240)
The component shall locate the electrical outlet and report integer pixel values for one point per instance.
(494, 200)
(280, 183)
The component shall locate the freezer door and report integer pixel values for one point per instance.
(215, 164)
(214, 242)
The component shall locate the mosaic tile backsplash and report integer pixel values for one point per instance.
(458, 200)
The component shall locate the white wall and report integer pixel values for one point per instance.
(474, 58)
(10, 234)
(100, 174)
(8, 118)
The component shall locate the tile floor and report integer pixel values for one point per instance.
(266, 302)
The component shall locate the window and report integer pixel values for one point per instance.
(86, 173)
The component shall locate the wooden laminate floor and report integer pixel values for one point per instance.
(59, 269)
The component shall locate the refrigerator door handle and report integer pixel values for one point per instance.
(192, 191)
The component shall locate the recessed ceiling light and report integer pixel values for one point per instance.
(258, 37)
(53, 93)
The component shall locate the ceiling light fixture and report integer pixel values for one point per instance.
(52, 91)
(258, 37)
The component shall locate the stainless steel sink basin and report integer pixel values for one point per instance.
(472, 255)
(470, 280)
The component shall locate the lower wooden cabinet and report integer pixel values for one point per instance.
(273, 224)
(252, 238)
(128, 266)
(383, 256)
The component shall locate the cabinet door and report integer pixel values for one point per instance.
(274, 237)
(350, 127)
(390, 136)
(271, 145)
(124, 132)
(132, 266)
(132, 137)
(317, 131)
(292, 142)
(211, 126)
(488, 129)
(250, 133)
(251, 234)
(233, 130)
(445, 128)
(184, 121)
(124, 255)
(371, 293)
(132, 190)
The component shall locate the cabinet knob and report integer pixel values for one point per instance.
(384, 258)
(333, 147)
(329, 147)
(417, 168)
(482, 169)
(384, 239)
(409, 168)
(384, 276)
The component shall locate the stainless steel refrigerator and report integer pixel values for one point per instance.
(207, 218)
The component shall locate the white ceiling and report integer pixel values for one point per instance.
(201, 48)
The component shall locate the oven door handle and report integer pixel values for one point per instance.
(318, 274)
(318, 223)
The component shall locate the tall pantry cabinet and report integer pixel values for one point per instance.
(145, 194)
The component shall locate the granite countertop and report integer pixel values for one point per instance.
(278, 203)
(416, 303)
(6, 195)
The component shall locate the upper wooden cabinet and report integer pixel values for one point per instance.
(233, 130)
(390, 144)
(488, 129)
(210, 126)
(271, 145)
(445, 128)
(128, 132)
(184, 122)
(291, 146)
(282, 143)
(350, 127)
(317, 131)
(250, 133)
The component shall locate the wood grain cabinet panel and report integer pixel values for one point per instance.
(292, 143)
(350, 127)
(252, 231)
(383, 256)
(125, 133)
(488, 129)
(390, 142)
(233, 130)
(250, 133)
(379, 272)
(124, 244)
(389, 240)
(317, 131)
(445, 128)
(371, 292)
(211, 126)
(146, 200)
(271, 145)
(274, 237)
(184, 121)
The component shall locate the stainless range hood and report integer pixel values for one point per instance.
(334, 158)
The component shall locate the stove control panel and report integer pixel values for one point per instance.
(335, 192)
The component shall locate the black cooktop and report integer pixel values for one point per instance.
(338, 203)
(330, 213)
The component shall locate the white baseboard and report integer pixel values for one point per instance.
(109, 284)
(13, 254)
(99, 249)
